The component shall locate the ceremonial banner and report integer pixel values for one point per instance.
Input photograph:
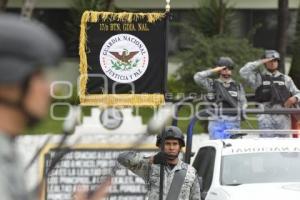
(122, 59)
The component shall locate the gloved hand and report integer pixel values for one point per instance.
(160, 158)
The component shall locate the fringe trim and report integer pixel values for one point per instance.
(108, 100)
(82, 54)
(94, 16)
(123, 100)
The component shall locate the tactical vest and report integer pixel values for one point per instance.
(218, 96)
(152, 182)
(272, 89)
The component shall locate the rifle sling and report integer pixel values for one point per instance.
(176, 184)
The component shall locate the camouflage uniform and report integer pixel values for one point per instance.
(12, 185)
(151, 174)
(219, 124)
(26, 47)
(250, 74)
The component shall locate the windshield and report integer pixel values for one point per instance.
(260, 168)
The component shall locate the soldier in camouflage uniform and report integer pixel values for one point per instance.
(149, 167)
(25, 49)
(218, 124)
(273, 90)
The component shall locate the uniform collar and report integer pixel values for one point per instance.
(230, 80)
(179, 165)
(276, 74)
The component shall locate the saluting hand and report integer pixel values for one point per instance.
(265, 60)
(219, 68)
(290, 102)
(160, 158)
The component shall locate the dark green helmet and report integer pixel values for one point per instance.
(225, 61)
(26, 47)
(171, 132)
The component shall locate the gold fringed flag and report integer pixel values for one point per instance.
(122, 59)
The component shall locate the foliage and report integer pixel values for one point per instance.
(174, 86)
(73, 100)
(215, 17)
(206, 50)
(55, 126)
(210, 37)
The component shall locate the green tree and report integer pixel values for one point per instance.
(214, 17)
(210, 30)
(206, 50)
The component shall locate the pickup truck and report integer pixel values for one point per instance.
(249, 169)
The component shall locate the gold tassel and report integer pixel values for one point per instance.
(82, 54)
(123, 100)
(94, 16)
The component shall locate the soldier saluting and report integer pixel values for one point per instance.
(180, 179)
(223, 92)
(273, 89)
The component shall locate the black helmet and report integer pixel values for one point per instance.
(172, 132)
(272, 54)
(25, 47)
(225, 61)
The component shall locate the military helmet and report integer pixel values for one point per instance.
(26, 46)
(171, 132)
(225, 61)
(272, 54)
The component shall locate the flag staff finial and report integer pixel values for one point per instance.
(168, 7)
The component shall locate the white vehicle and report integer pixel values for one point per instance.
(249, 169)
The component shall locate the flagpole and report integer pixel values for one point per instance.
(168, 8)
(162, 167)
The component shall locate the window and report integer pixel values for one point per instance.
(268, 167)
